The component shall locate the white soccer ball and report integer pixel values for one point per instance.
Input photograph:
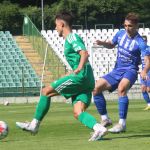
(6, 103)
(3, 130)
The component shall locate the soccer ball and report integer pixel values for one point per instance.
(6, 103)
(3, 129)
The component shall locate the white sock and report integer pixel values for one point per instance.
(148, 104)
(104, 117)
(34, 123)
(97, 127)
(122, 122)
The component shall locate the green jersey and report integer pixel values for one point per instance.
(73, 44)
(78, 86)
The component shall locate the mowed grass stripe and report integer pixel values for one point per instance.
(60, 131)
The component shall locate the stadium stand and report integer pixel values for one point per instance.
(98, 55)
(56, 44)
(102, 59)
(102, 56)
(15, 70)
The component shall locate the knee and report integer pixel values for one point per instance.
(95, 91)
(76, 114)
(44, 92)
(148, 90)
(143, 88)
(122, 91)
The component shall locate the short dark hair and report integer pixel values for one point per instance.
(68, 17)
(133, 17)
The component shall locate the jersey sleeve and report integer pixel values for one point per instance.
(115, 38)
(145, 50)
(76, 42)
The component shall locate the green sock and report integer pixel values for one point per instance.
(42, 107)
(87, 119)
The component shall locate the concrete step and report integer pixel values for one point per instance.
(33, 54)
(34, 58)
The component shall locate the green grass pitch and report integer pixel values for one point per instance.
(60, 131)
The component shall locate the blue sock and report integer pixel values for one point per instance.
(100, 103)
(146, 97)
(123, 107)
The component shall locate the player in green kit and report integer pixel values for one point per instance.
(78, 85)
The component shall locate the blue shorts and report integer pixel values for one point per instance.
(115, 76)
(146, 82)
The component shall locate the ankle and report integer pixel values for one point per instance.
(34, 123)
(104, 117)
(122, 122)
(97, 127)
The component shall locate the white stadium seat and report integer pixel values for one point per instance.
(141, 31)
(102, 59)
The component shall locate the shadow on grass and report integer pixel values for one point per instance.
(122, 136)
(17, 140)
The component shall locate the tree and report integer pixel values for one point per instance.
(10, 17)
(87, 12)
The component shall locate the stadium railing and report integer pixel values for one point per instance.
(53, 62)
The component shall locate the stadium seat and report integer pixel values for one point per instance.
(89, 37)
(74, 31)
(141, 31)
(5, 85)
(1, 33)
(12, 61)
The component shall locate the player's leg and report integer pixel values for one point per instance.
(41, 110)
(125, 84)
(123, 106)
(100, 102)
(44, 103)
(148, 100)
(65, 86)
(146, 97)
(79, 107)
(108, 82)
(145, 88)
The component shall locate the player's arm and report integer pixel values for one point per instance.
(84, 58)
(146, 68)
(146, 52)
(108, 44)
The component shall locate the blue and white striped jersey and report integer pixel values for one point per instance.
(129, 50)
(143, 54)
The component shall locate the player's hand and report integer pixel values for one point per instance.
(143, 75)
(97, 42)
(76, 71)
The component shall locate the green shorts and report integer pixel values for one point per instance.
(75, 87)
(85, 98)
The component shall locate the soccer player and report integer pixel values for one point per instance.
(78, 85)
(123, 76)
(145, 84)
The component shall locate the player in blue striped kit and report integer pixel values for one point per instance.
(145, 84)
(123, 76)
